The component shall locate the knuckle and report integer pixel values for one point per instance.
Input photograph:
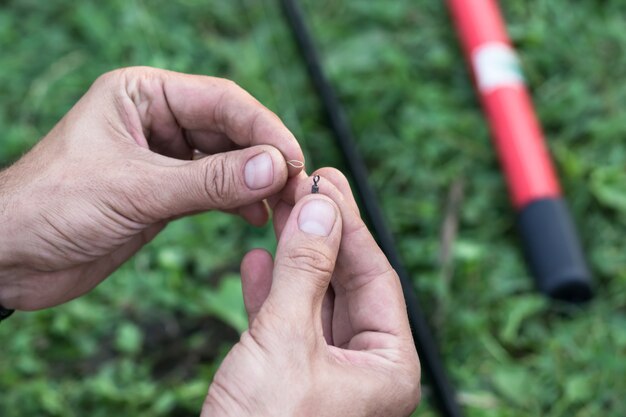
(337, 175)
(125, 74)
(310, 260)
(272, 321)
(140, 84)
(231, 84)
(256, 120)
(108, 77)
(219, 182)
(134, 71)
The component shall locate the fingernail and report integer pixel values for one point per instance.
(259, 171)
(317, 217)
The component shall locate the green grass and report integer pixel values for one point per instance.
(148, 340)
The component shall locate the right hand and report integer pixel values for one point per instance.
(329, 333)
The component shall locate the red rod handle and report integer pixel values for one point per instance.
(548, 234)
(516, 132)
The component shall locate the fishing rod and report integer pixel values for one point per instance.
(432, 364)
(553, 250)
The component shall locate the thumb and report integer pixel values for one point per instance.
(305, 260)
(221, 181)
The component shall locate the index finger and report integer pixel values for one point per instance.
(214, 106)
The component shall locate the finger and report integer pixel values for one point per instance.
(223, 181)
(171, 103)
(340, 181)
(288, 193)
(256, 280)
(210, 143)
(355, 231)
(257, 214)
(364, 280)
(283, 202)
(328, 306)
(281, 213)
(305, 261)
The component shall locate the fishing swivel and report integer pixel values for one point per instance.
(315, 188)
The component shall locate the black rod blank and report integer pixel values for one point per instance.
(443, 392)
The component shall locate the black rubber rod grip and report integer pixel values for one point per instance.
(553, 250)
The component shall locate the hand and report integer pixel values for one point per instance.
(119, 165)
(329, 333)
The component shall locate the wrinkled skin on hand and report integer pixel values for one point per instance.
(120, 165)
(329, 334)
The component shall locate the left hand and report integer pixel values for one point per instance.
(119, 166)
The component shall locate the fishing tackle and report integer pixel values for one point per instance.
(315, 188)
(295, 163)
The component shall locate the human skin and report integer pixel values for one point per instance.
(329, 334)
(118, 167)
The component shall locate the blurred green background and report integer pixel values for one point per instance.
(148, 340)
